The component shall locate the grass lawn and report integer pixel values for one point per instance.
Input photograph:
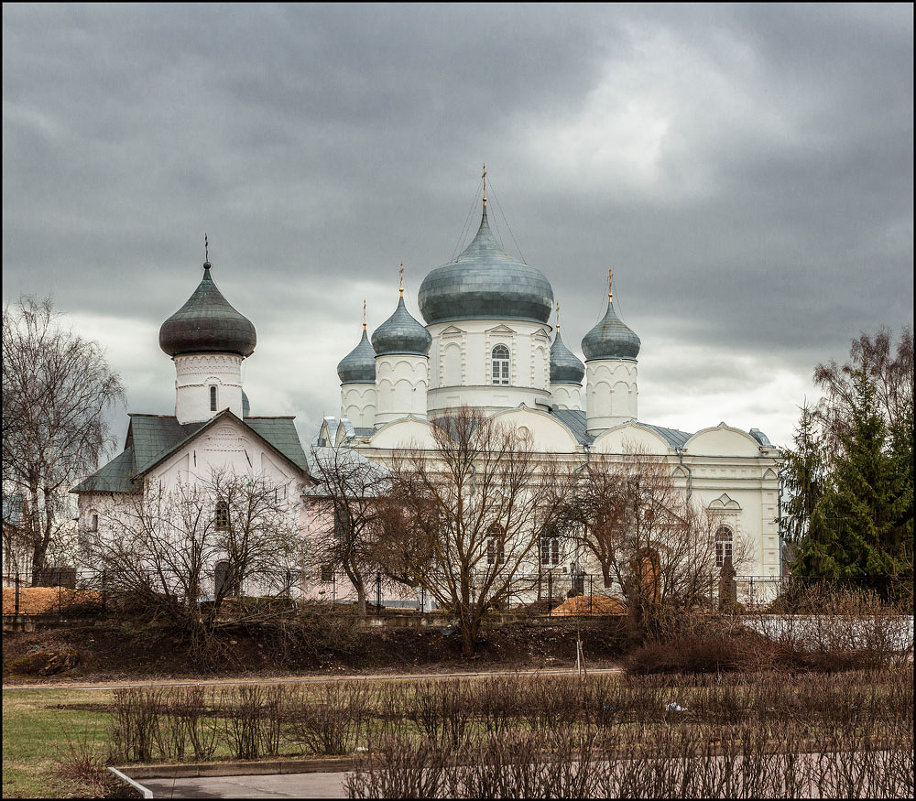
(37, 734)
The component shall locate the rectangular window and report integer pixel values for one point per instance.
(327, 573)
(212, 399)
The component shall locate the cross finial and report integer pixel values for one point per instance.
(206, 251)
(610, 279)
(558, 316)
(484, 176)
(364, 314)
(402, 280)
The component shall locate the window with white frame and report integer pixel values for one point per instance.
(496, 546)
(499, 358)
(724, 543)
(550, 550)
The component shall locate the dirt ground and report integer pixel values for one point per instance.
(42, 600)
(117, 651)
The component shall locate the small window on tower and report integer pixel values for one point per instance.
(500, 365)
(212, 399)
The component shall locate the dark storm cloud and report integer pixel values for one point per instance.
(746, 169)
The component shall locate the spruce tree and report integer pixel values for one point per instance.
(861, 529)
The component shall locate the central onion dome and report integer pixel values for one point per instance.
(207, 323)
(358, 366)
(611, 338)
(401, 333)
(565, 367)
(485, 282)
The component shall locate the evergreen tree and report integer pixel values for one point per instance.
(803, 477)
(861, 529)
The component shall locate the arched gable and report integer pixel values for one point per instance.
(548, 435)
(724, 503)
(628, 437)
(406, 433)
(722, 440)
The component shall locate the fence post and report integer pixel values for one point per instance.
(591, 592)
(549, 593)
(17, 592)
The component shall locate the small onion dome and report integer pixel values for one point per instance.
(358, 366)
(207, 324)
(485, 282)
(565, 367)
(401, 333)
(611, 338)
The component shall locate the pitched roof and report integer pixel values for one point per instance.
(151, 438)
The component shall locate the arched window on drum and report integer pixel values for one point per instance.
(499, 359)
(724, 543)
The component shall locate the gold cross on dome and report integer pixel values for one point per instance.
(484, 176)
(610, 279)
(402, 280)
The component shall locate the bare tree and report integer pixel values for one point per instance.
(180, 553)
(472, 509)
(56, 390)
(650, 541)
(350, 495)
(889, 370)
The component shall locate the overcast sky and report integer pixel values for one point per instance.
(747, 171)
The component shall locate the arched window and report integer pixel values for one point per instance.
(212, 398)
(500, 362)
(496, 546)
(724, 542)
(221, 518)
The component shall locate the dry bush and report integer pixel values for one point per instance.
(331, 722)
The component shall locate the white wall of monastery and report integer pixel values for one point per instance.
(195, 374)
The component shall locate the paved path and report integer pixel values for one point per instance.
(293, 785)
(310, 679)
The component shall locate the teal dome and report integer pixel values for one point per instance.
(207, 323)
(358, 366)
(611, 338)
(565, 367)
(485, 282)
(401, 333)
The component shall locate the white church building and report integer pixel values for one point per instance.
(487, 343)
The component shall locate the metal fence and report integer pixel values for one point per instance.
(72, 591)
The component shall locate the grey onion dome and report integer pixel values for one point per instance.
(485, 282)
(611, 338)
(207, 323)
(358, 366)
(401, 333)
(565, 367)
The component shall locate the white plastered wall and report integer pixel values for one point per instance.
(611, 393)
(195, 374)
(358, 403)
(401, 383)
(461, 365)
